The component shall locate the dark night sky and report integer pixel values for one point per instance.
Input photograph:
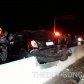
(40, 15)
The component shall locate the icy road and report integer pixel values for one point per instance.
(74, 74)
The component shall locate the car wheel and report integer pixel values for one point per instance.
(64, 55)
(23, 53)
(69, 52)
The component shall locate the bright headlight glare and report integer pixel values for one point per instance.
(79, 39)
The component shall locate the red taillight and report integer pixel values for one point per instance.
(57, 34)
(34, 44)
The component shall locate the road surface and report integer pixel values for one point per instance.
(74, 74)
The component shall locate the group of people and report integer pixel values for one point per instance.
(68, 40)
(4, 37)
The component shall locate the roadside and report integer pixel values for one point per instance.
(71, 75)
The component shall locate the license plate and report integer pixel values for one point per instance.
(49, 43)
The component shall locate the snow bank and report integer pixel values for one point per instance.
(29, 71)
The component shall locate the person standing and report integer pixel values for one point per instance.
(75, 40)
(4, 38)
(69, 41)
(1, 34)
(4, 41)
(10, 36)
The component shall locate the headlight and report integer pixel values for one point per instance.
(79, 39)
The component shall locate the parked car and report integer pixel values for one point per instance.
(40, 44)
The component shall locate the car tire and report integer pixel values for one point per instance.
(69, 52)
(23, 53)
(64, 55)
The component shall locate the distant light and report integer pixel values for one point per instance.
(57, 34)
(0, 29)
(79, 39)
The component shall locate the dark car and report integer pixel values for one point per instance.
(41, 44)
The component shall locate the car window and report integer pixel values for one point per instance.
(18, 37)
(25, 36)
(42, 35)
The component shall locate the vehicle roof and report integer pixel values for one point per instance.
(31, 31)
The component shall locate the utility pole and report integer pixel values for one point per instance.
(54, 24)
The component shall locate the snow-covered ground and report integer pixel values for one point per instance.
(29, 71)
